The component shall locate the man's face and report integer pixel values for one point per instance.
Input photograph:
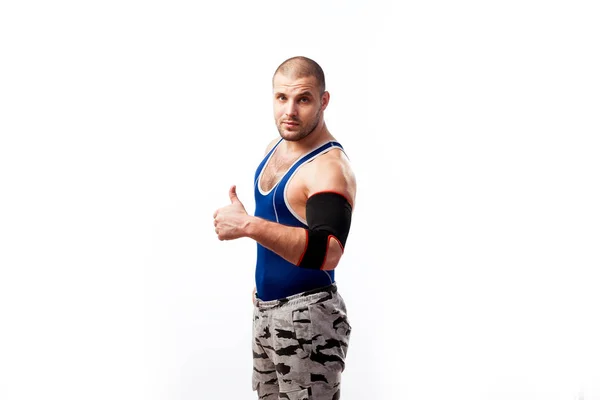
(297, 105)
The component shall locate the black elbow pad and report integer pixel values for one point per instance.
(327, 214)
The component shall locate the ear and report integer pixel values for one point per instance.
(324, 100)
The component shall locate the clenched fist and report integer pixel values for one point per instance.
(231, 220)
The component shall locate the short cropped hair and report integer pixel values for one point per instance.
(302, 67)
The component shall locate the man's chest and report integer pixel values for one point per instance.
(295, 187)
(273, 171)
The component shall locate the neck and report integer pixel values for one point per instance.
(319, 135)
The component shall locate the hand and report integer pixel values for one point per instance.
(231, 220)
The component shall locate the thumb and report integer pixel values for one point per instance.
(233, 195)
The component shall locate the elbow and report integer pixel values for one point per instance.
(333, 255)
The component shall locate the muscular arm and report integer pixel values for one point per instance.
(291, 242)
(287, 241)
(326, 174)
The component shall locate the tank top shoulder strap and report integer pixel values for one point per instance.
(273, 148)
(264, 161)
(309, 157)
(316, 152)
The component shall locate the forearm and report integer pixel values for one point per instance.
(287, 241)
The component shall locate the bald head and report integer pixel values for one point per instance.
(302, 67)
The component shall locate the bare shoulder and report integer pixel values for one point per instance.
(272, 143)
(332, 172)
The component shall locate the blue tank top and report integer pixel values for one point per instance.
(275, 277)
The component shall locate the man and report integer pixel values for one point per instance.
(304, 192)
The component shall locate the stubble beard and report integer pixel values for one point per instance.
(297, 136)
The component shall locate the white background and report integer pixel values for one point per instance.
(471, 271)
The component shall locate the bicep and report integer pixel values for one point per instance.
(333, 177)
(331, 191)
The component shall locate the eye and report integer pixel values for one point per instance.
(304, 100)
(281, 97)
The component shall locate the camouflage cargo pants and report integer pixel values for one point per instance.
(300, 345)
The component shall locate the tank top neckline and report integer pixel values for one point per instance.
(270, 155)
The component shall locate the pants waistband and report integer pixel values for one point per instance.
(304, 298)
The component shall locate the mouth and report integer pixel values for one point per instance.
(290, 124)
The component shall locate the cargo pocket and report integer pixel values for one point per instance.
(302, 323)
(331, 345)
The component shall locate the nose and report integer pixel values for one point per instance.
(290, 109)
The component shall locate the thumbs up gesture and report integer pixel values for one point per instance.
(233, 196)
(231, 220)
